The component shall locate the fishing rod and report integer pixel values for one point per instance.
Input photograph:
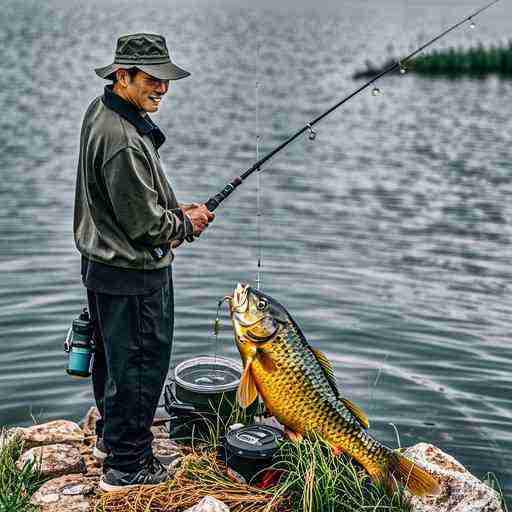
(214, 202)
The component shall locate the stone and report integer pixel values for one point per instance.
(89, 421)
(53, 432)
(168, 453)
(54, 460)
(460, 490)
(209, 504)
(70, 493)
(160, 432)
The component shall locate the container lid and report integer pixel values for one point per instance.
(206, 374)
(258, 441)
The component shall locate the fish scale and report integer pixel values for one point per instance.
(297, 385)
(301, 397)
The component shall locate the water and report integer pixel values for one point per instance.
(388, 237)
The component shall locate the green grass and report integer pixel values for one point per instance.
(318, 481)
(478, 61)
(473, 61)
(492, 481)
(17, 487)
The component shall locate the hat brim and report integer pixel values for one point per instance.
(166, 71)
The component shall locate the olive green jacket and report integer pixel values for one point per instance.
(126, 212)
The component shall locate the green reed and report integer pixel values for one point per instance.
(17, 486)
(453, 62)
(473, 61)
(318, 481)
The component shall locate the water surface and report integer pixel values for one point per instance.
(388, 237)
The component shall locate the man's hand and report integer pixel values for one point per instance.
(199, 215)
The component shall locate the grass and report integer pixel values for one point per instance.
(312, 480)
(492, 481)
(315, 480)
(17, 487)
(477, 61)
(473, 61)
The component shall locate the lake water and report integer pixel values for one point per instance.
(388, 237)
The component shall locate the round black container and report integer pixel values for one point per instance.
(208, 384)
(251, 449)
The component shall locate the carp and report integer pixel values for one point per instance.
(298, 386)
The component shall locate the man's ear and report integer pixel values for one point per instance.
(122, 77)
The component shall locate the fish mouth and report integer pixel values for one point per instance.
(239, 301)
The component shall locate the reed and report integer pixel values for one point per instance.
(473, 61)
(478, 61)
(315, 480)
(16, 486)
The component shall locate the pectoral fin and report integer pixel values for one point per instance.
(356, 411)
(247, 392)
(266, 360)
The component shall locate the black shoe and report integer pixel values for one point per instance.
(152, 473)
(100, 451)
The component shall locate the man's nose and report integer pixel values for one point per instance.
(162, 87)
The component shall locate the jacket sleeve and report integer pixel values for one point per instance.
(129, 183)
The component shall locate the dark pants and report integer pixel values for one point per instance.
(133, 334)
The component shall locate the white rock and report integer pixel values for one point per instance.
(70, 493)
(209, 504)
(53, 432)
(89, 421)
(54, 460)
(460, 490)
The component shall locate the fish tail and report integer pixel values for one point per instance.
(416, 479)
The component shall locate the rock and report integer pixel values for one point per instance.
(54, 460)
(160, 432)
(54, 432)
(460, 490)
(168, 452)
(70, 493)
(209, 504)
(89, 421)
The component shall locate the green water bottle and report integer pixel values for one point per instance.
(80, 347)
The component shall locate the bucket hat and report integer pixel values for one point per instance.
(148, 52)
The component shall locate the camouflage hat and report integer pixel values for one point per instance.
(148, 52)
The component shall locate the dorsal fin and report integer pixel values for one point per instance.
(356, 411)
(328, 369)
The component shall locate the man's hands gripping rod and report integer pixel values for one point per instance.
(200, 217)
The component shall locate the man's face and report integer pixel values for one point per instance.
(145, 91)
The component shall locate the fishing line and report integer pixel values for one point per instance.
(214, 202)
(258, 175)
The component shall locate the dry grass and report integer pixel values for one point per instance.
(200, 475)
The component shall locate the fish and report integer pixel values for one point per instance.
(298, 386)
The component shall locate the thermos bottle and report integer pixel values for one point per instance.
(80, 347)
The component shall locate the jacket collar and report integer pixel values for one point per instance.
(144, 125)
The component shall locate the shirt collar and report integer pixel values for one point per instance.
(143, 124)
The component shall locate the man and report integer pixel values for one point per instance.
(127, 221)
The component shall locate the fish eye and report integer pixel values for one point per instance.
(262, 305)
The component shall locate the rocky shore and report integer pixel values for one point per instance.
(62, 451)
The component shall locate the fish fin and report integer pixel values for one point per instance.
(328, 369)
(266, 360)
(294, 437)
(411, 475)
(356, 411)
(247, 392)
